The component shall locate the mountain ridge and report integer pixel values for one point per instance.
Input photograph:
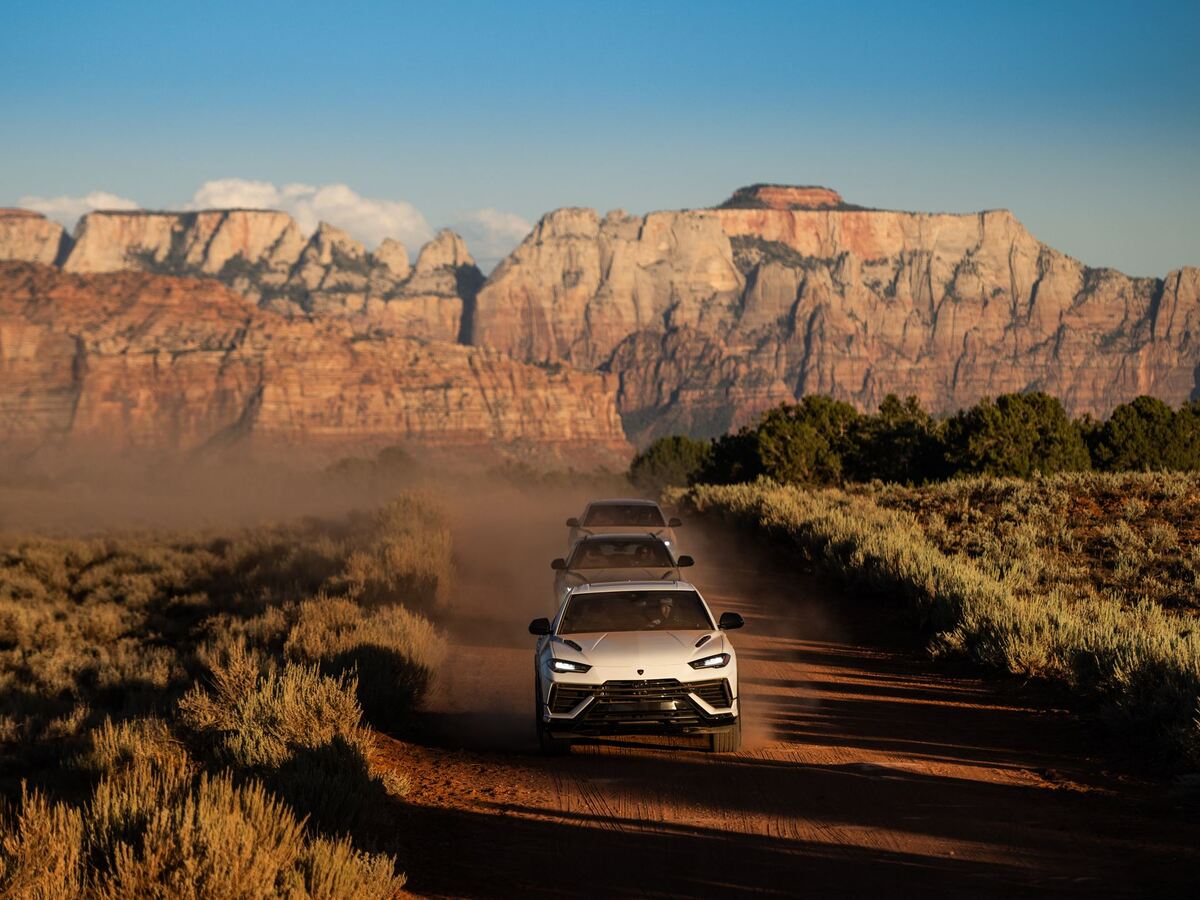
(704, 317)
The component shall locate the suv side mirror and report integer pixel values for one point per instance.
(684, 561)
(539, 627)
(558, 564)
(729, 621)
(572, 522)
(674, 522)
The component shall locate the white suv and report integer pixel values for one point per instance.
(623, 516)
(636, 658)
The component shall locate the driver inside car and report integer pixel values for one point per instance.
(661, 615)
(644, 555)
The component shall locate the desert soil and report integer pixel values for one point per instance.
(867, 769)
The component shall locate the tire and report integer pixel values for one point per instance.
(727, 740)
(549, 744)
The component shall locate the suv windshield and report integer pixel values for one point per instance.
(609, 554)
(635, 611)
(607, 515)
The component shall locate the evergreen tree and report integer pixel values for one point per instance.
(669, 461)
(1017, 434)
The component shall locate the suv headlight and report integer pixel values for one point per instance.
(565, 665)
(718, 661)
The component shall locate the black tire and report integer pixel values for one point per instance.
(727, 740)
(549, 744)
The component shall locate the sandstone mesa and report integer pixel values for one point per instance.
(691, 320)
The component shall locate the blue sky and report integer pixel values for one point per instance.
(1083, 118)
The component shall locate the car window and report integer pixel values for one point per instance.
(635, 514)
(613, 554)
(681, 610)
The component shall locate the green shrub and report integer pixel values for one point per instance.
(1147, 435)
(669, 462)
(1018, 434)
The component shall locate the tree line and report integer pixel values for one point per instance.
(820, 440)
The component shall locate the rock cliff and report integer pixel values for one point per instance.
(702, 317)
(708, 316)
(264, 255)
(31, 236)
(130, 361)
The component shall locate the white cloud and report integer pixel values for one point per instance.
(367, 219)
(490, 233)
(235, 193)
(66, 210)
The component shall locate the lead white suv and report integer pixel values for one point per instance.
(636, 658)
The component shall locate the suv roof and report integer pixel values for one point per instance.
(607, 587)
(616, 501)
(623, 536)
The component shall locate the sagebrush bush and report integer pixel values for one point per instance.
(41, 849)
(299, 730)
(407, 557)
(132, 665)
(1138, 664)
(259, 720)
(391, 651)
(154, 833)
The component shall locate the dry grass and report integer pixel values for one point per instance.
(1137, 664)
(150, 832)
(1131, 537)
(192, 705)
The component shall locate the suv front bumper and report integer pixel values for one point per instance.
(639, 706)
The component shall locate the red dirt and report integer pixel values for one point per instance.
(867, 770)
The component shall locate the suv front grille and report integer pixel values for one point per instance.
(714, 693)
(648, 700)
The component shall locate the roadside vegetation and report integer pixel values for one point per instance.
(188, 715)
(823, 441)
(1026, 541)
(1088, 581)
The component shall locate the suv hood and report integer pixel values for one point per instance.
(631, 648)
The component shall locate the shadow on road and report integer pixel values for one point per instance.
(868, 770)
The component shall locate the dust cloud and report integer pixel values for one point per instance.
(506, 531)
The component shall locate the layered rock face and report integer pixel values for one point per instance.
(264, 255)
(30, 236)
(702, 317)
(129, 361)
(709, 316)
(784, 196)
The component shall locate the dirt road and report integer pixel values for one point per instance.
(867, 771)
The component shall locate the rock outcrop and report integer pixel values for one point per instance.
(136, 362)
(708, 316)
(264, 255)
(702, 317)
(784, 196)
(31, 236)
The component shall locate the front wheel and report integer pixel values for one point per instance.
(549, 744)
(727, 740)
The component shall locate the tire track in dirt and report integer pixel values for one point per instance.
(866, 769)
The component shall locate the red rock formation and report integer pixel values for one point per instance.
(782, 196)
(107, 363)
(710, 315)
